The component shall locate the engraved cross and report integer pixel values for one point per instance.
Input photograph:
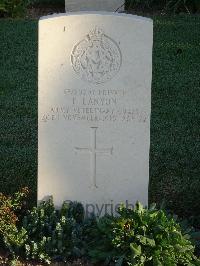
(93, 151)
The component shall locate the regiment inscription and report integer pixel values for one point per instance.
(96, 58)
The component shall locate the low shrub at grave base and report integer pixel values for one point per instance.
(10, 235)
(136, 236)
(140, 237)
(53, 234)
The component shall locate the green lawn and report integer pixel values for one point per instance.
(175, 123)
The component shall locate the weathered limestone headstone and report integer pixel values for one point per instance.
(94, 5)
(94, 109)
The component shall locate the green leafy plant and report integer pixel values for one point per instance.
(137, 236)
(140, 236)
(12, 238)
(53, 234)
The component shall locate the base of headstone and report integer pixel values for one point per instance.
(94, 5)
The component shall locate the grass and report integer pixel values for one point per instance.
(175, 146)
(18, 105)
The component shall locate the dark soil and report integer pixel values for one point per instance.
(3, 258)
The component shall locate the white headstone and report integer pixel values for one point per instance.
(94, 5)
(95, 73)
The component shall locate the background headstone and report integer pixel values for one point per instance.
(94, 109)
(94, 5)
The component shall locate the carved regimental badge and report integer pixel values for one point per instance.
(97, 58)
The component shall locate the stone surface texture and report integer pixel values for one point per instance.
(94, 5)
(95, 73)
